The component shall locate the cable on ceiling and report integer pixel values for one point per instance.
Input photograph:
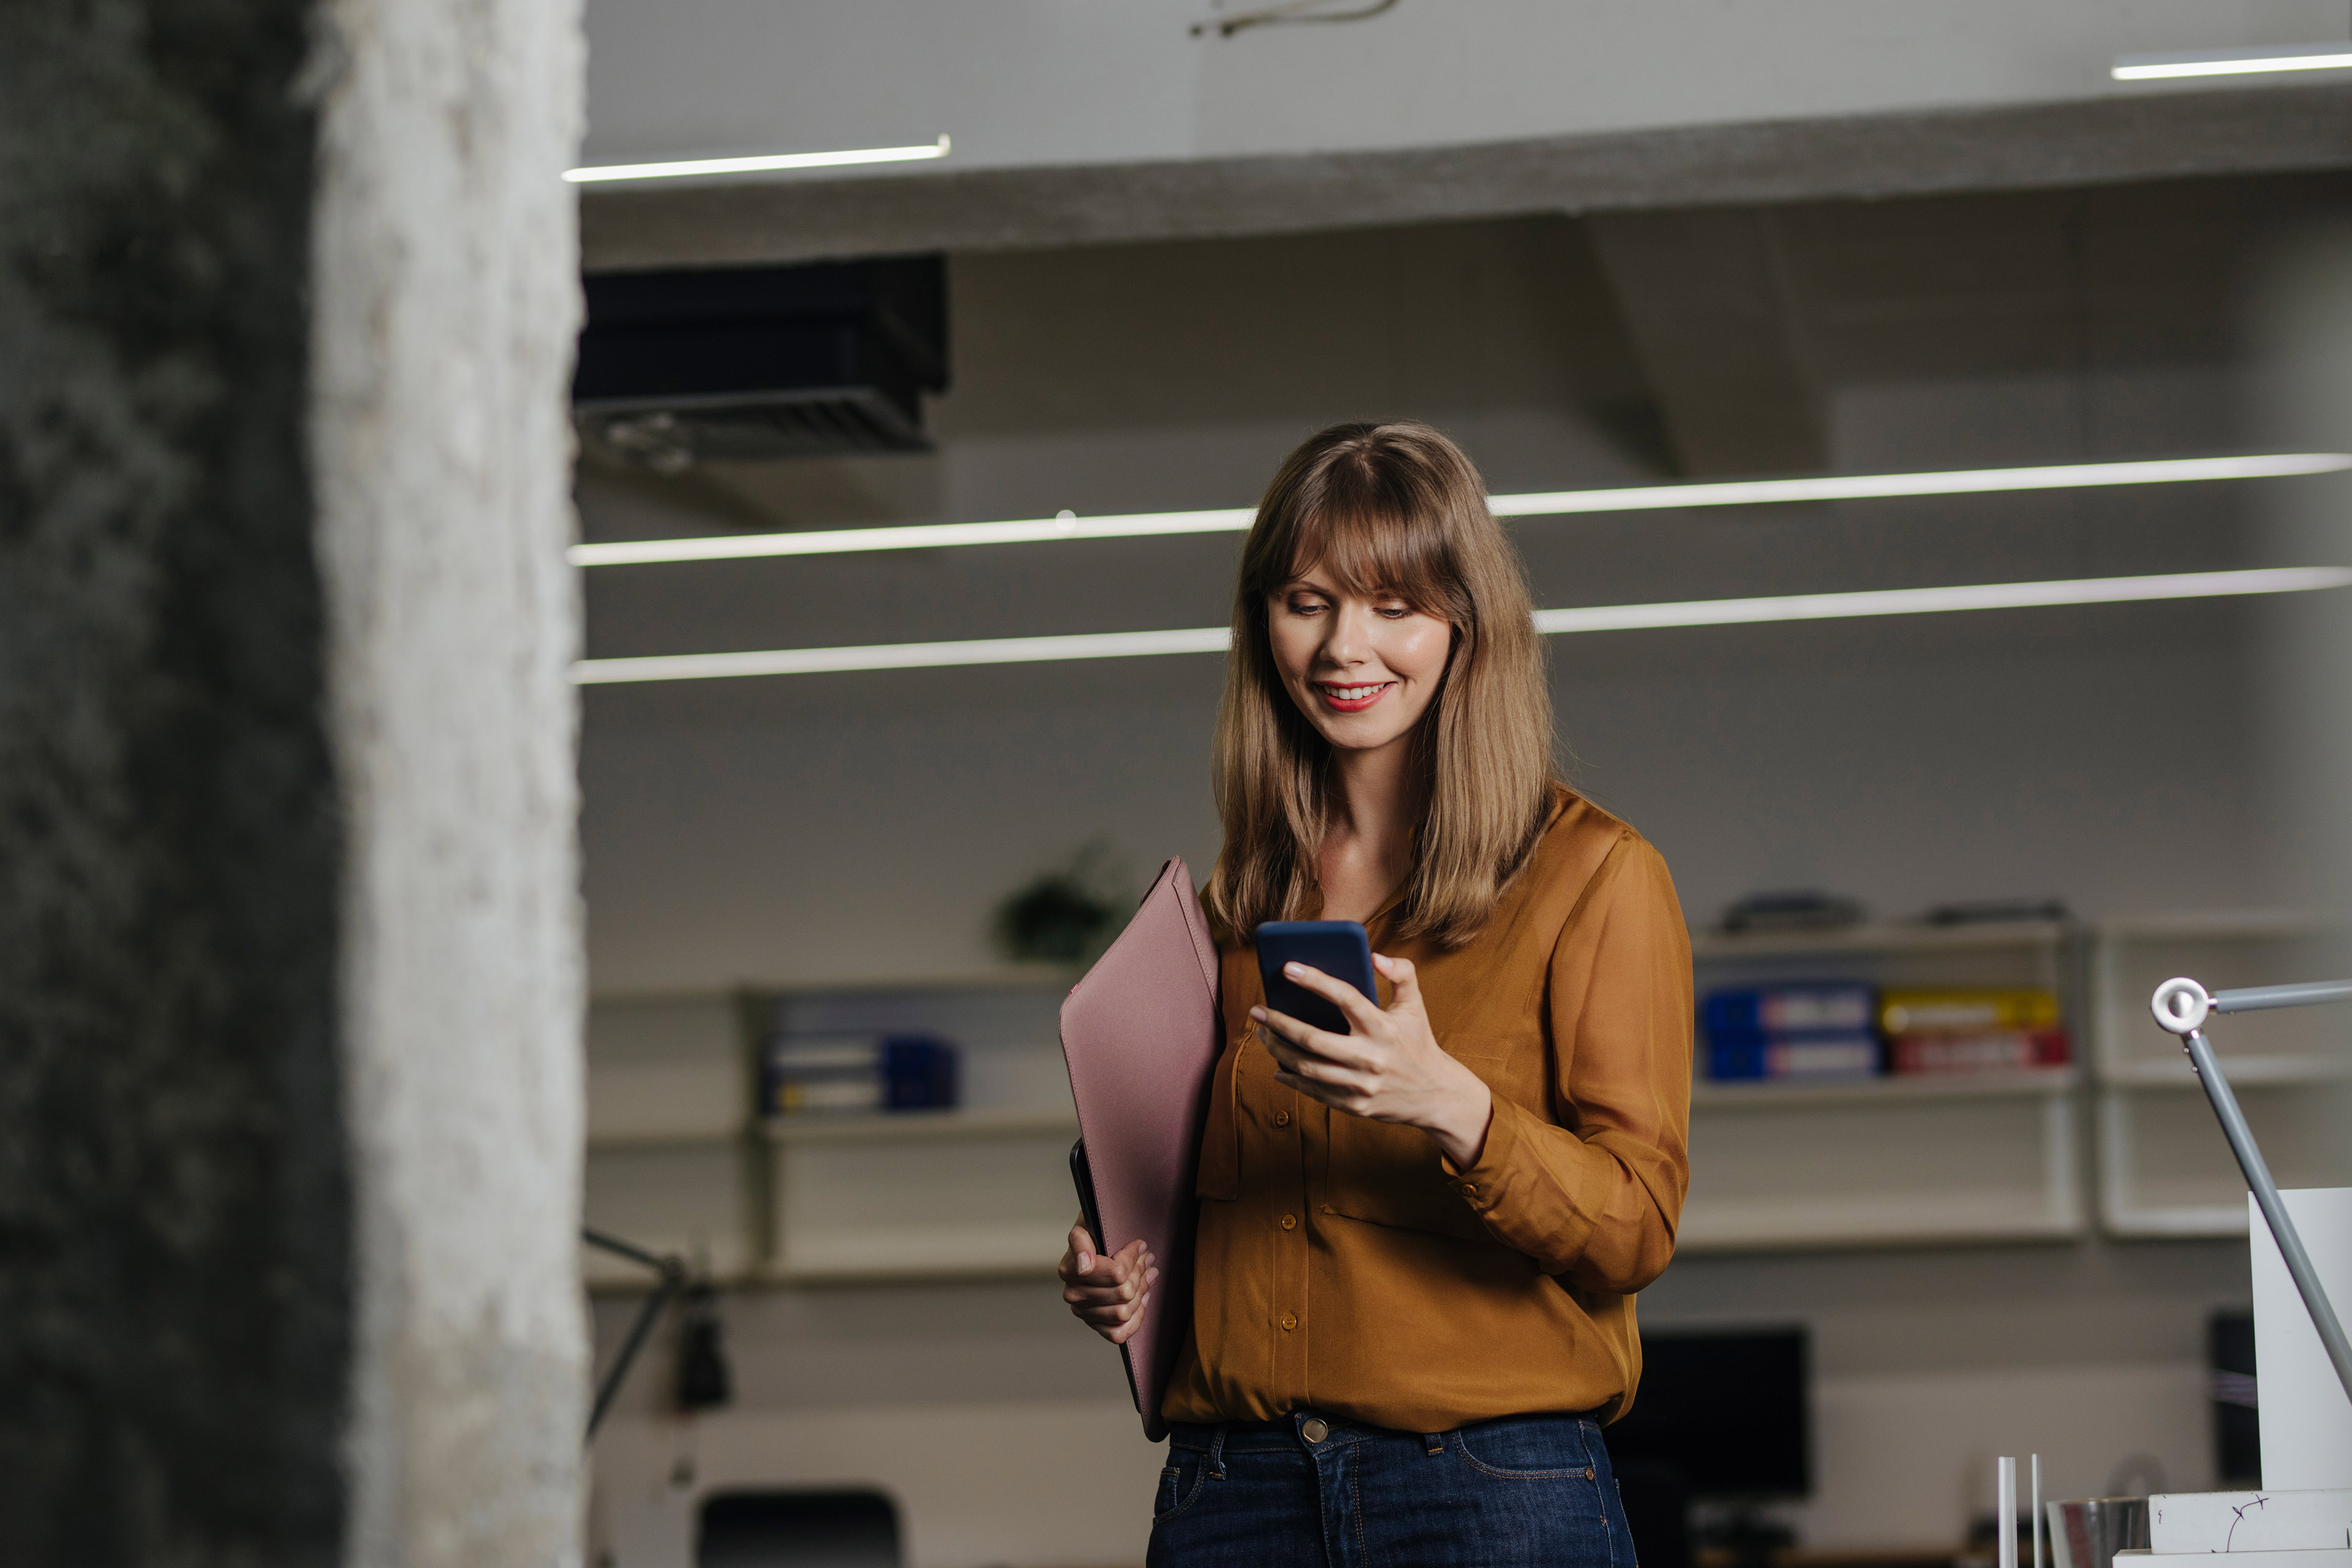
(1292, 11)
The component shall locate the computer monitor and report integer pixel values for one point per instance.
(788, 1529)
(1730, 1411)
(2237, 1425)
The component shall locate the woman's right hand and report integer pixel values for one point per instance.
(1107, 1294)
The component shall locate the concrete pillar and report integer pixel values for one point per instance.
(290, 953)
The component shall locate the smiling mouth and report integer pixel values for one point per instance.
(1352, 699)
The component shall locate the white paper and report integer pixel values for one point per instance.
(2338, 1557)
(2306, 1421)
(2249, 1521)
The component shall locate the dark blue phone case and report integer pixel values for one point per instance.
(1338, 948)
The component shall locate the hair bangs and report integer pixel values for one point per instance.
(1374, 528)
(1385, 509)
(1369, 552)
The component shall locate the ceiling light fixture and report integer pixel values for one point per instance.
(1587, 618)
(688, 168)
(1549, 503)
(2234, 62)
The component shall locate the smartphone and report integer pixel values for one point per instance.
(1338, 948)
(1082, 1176)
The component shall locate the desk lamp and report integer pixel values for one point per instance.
(2181, 1006)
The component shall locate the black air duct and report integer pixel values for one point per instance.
(762, 362)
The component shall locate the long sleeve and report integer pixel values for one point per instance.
(1344, 1265)
(1594, 1194)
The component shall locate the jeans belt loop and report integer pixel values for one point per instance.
(1217, 1451)
(1435, 1442)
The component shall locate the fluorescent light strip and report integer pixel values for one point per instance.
(911, 536)
(2234, 62)
(1593, 618)
(1957, 482)
(1936, 601)
(1550, 503)
(690, 167)
(899, 656)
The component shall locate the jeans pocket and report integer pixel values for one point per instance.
(1179, 1482)
(1531, 1448)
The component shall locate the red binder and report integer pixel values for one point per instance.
(1141, 1034)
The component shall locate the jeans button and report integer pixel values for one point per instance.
(1314, 1429)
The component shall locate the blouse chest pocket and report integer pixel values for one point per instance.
(1219, 1176)
(1390, 1174)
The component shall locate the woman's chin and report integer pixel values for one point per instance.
(1359, 732)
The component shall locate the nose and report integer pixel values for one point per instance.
(1347, 641)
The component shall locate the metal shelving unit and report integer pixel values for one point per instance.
(677, 1160)
(1941, 1160)
(920, 1194)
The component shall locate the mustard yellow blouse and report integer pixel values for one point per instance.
(1343, 1264)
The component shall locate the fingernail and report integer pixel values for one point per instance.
(1294, 970)
(1258, 1014)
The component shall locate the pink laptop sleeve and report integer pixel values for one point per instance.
(1141, 1035)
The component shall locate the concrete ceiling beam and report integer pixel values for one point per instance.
(1706, 306)
(2139, 136)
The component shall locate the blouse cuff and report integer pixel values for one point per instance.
(1520, 1199)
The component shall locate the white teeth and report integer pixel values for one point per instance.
(1353, 693)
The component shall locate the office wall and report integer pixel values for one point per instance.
(863, 826)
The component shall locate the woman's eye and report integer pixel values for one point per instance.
(1396, 612)
(1306, 606)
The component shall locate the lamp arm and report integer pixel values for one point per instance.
(2181, 1006)
(672, 1270)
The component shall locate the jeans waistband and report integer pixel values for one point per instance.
(1240, 1437)
(1282, 1434)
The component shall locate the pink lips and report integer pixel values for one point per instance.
(1330, 692)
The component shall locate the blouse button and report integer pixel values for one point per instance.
(1282, 1119)
(1289, 1321)
(1470, 1189)
(1290, 1222)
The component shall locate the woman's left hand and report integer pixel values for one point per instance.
(1390, 1067)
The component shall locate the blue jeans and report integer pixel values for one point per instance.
(1526, 1490)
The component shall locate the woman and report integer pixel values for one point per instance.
(1419, 1241)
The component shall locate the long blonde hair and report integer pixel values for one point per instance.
(1396, 509)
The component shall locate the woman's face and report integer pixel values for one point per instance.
(1362, 669)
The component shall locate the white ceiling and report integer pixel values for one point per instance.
(1020, 83)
